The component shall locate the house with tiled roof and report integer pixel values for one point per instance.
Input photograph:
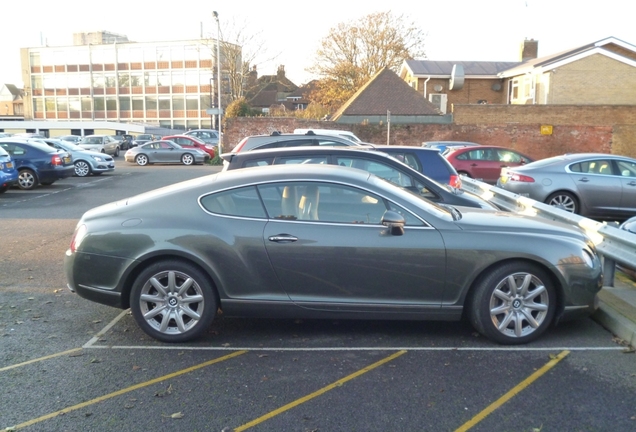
(11, 101)
(386, 95)
(601, 72)
(269, 91)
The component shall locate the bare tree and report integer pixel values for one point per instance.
(353, 52)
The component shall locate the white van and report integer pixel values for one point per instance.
(342, 133)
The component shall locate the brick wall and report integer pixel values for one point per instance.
(575, 129)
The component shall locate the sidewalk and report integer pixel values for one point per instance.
(617, 308)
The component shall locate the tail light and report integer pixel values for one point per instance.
(56, 160)
(520, 178)
(240, 145)
(78, 236)
(455, 181)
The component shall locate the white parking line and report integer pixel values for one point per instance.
(91, 344)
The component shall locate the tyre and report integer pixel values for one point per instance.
(27, 180)
(513, 303)
(173, 301)
(187, 159)
(82, 168)
(565, 201)
(141, 159)
(117, 151)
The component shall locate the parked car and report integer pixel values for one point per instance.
(165, 152)
(101, 144)
(142, 139)
(425, 160)
(125, 141)
(341, 133)
(8, 172)
(590, 184)
(277, 139)
(323, 241)
(5, 135)
(446, 146)
(86, 162)
(208, 136)
(630, 226)
(75, 139)
(188, 141)
(37, 163)
(376, 162)
(484, 163)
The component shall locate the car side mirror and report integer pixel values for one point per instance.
(394, 222)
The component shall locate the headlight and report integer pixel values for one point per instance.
(588, 257)
(98, 158)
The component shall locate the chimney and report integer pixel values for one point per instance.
(280, 73)
(529, 50)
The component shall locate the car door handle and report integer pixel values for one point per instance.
(631, 183)
(584, 180)
(282, 238)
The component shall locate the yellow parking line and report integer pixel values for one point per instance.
(317, 393)
(126, 390)
(518, 388)
(40, 359)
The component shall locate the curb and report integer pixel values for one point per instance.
(617, 316)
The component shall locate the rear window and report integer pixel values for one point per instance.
(430, 163)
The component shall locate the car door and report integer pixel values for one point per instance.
(164, 152)
(627, 171)
(330, 251)
(599, 189)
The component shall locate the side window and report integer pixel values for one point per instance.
(380, 169)
(236, 202)
(322, 202)
(301, 160)
(508, 156)
(291, 143)
(258, 162)
(626, 169)
(332, 143)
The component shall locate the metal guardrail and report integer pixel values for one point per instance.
(613, 244)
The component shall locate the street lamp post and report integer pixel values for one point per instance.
(218, 78)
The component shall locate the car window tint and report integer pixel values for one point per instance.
(236, 202)
(626, 168)
(164, 145)
(322, 202)
(301, 160)
(257, 162)
(508, 156)
(13, 149)
(332, 143)
(380, 169)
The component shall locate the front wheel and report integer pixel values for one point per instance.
(187, 159)
(141, 160)
(173, 301)
(513, 303)
(565, 201)
(82, 168)
(27, 180)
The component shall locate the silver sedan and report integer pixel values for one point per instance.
(590, 184)
(165, 152)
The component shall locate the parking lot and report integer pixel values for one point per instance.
(67, 364)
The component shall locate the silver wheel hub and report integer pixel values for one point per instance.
(519, 304)
(172, 302)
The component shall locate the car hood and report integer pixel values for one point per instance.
(501, 221)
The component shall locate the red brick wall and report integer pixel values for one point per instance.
(575, 129)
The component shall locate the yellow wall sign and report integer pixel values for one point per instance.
(546, 129)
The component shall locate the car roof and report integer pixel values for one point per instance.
(259, 153)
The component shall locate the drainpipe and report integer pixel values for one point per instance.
(425, 82)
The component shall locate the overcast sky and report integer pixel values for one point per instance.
(467, 30)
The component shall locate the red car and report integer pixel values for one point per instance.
(484, 163)
(191, 142)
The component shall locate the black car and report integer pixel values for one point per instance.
(37, 163)
(373, 161)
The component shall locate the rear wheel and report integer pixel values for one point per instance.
(82, 168)
(27, 179)
(565, 201)
(513, 303)
(117, 151)
(187, 159)
(173, 301)
(141, 159)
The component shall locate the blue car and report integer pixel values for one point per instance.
(8, 173)
(425, 160)
(37, 163)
